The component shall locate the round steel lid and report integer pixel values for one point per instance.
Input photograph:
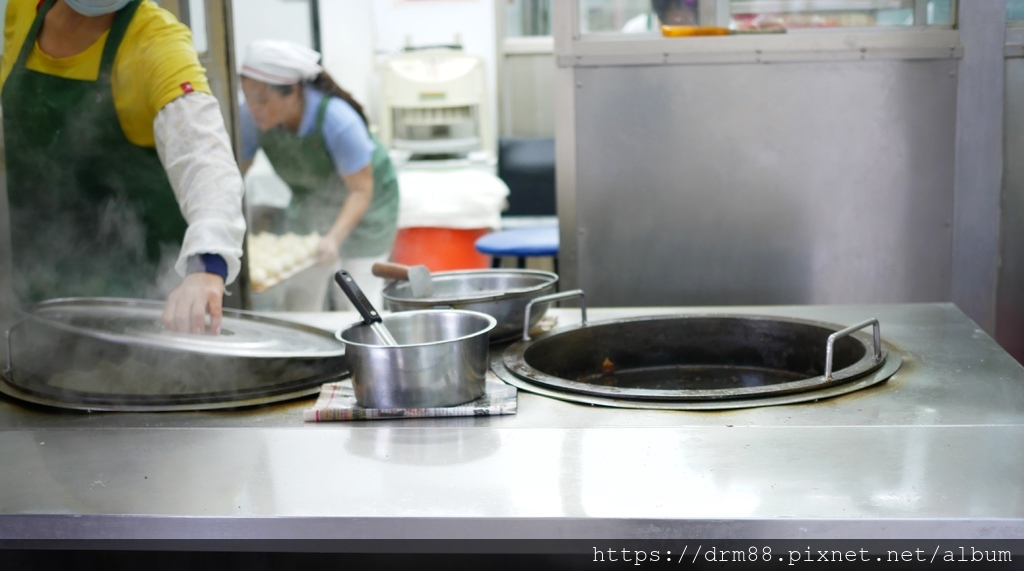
(113, 354)
(137, 322)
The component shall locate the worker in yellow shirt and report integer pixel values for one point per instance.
(117, 158)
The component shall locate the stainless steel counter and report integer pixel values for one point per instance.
(936, 452)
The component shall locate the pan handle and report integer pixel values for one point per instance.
(366, 309)
(363, 305)
(845, 332)
(9, 365)
(553, 297)
(390, 270)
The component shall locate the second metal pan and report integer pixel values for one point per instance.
(501, 293)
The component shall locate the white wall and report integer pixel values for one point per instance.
(347, 39)
(276, 19)
(355, 35)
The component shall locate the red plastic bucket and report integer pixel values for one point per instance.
(440, 249)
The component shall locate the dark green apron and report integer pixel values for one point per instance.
(318, 191)
(91, 213)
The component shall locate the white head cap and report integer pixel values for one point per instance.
(279, 62)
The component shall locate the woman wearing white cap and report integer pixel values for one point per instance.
(343, 184)
(117, 156)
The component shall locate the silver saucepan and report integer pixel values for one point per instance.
(435, 357)
(440, 359)
(500, 293)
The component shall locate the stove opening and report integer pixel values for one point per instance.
(692, 358)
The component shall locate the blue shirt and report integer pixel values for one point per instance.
(345, 134)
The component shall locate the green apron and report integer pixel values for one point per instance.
(91, 213)
(318, 192)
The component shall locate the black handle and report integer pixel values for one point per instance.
(357, 297)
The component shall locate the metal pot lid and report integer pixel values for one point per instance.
(137, 322)
(472, 286)
(92, 402)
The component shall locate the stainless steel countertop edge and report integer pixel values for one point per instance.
(40, 529)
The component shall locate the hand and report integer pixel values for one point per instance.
(327, 250)
(187, 305)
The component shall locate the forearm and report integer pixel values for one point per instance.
(360, 195)
(351, 213)
(196, 152)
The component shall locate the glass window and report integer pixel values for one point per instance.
(1015, 10)
(795, 14)
(527, 18)
(633, 16)
(940, 12)
(197, 17)
(602, 16)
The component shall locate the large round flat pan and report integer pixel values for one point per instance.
(113, 354)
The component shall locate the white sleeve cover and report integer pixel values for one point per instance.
(195, 150)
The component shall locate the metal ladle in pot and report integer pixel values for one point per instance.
(363, 306)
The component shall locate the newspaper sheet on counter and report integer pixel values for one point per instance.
(337, 401)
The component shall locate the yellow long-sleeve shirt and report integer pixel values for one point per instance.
(155, 64)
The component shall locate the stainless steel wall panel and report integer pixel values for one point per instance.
(816, 182)
(6, 285)
(979, 155)
(565, 179)
(564, 29)
(1010, 292)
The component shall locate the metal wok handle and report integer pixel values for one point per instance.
(9, 366)
(845, 332)
(553, 297)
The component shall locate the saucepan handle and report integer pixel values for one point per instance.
(843, 333)
(554, 297)
(357, 297)
(363, 305)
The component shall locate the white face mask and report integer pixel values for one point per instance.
(96, 7)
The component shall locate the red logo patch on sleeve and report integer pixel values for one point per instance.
(187, 87)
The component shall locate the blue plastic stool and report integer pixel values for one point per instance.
(520, 243)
